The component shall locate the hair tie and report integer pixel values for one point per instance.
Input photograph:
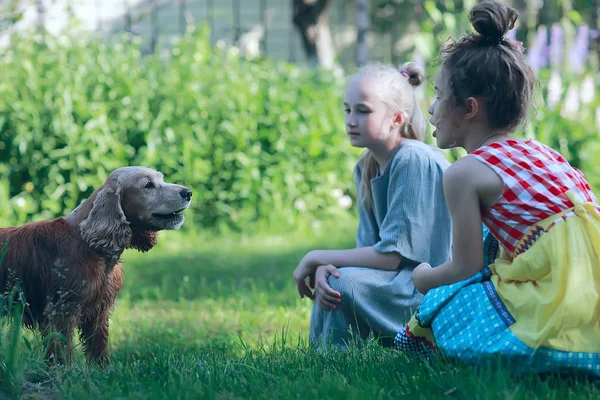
(516, 45)
(405, 73)
(494, 40)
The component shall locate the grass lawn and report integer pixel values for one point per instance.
(219, 318)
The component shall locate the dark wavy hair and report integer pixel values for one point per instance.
(490, 67)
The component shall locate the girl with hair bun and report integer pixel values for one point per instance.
(531, 296)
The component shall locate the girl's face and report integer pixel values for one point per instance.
(443, 114)
(369, 122)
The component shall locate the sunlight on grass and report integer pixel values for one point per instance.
(196, 324)
(203, 290)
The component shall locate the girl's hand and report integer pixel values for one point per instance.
(306, 269)
(420, 277)
(326, 297)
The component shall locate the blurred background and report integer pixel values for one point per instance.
(241, 100)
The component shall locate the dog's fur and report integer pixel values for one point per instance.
(68, 269)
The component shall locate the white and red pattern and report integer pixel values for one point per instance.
(536, 179)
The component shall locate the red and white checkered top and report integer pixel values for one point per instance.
(536, 178)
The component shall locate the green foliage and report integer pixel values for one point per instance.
(570, 126)
(11, 305)
(251, 138)
(259, 142)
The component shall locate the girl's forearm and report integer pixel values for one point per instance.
(360, 257)
(448, 273)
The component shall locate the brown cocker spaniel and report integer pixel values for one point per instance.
(68, 269)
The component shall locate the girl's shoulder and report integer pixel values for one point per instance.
(418, 153)
(513, 146)
(410, 154)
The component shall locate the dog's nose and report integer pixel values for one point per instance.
(186, 194)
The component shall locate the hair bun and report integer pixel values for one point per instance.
(492, 19)
(414, 73)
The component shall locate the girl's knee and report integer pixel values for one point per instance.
(347, 282)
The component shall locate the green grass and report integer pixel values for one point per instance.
(219, 318)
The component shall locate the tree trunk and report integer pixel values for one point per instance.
(310, 18)
(595, 45)
(362, 28)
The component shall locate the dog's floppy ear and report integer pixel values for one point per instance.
(106, 229)
(143, 240)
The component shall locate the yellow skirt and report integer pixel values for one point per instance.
(552, 288)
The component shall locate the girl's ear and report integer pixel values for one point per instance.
(472, 108)
(399, 119)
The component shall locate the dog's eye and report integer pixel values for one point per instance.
(149, 185)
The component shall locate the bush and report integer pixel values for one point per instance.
(259, 142)
(255, 140)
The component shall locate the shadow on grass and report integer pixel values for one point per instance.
(288, 373)
(193, 349)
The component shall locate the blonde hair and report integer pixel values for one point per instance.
(395, 88)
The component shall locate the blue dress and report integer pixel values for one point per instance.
(408, 216)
